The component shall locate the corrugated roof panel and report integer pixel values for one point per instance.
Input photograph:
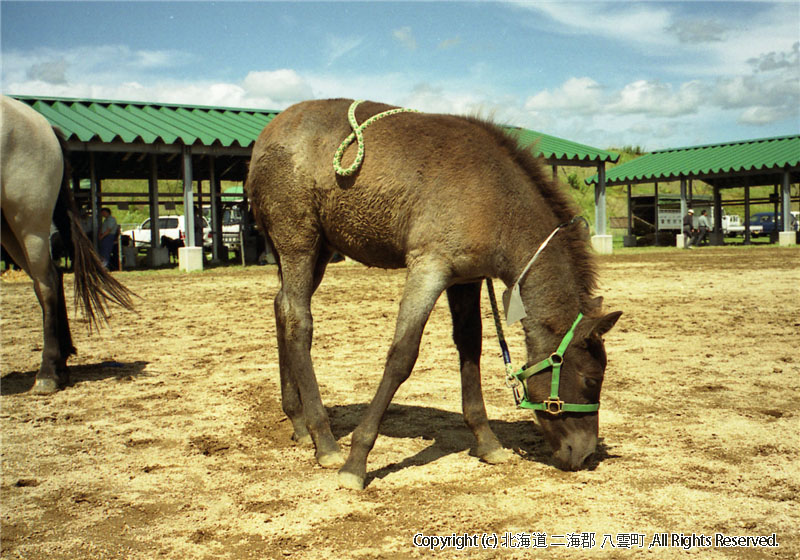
(150, 124)
(63, 120)
(129, 121)
(732, 157)
(559, 148)
(127, 118)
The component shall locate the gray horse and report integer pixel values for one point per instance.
(36, 193)
(454, 200)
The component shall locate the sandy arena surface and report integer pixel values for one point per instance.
(171, 443)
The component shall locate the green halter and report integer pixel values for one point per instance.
(554, 405)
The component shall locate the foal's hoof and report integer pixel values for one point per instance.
(497, 456)
(331, 459)
(45, 386)
(303, 440)
(351, 481)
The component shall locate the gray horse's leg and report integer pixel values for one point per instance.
(464, 300)
(290, 394)
(424, 284)
(34, 258)
(295, 330)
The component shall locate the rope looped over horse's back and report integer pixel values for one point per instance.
(358, 135)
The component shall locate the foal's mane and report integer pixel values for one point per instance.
(562, 206)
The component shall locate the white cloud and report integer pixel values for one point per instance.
(580, 95)
(652, 97)
(695, 31)
(637, 23)
(405, 37)
(282, 85)
(697, 45)
(337, 47)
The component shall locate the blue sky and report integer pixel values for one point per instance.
(607, 74)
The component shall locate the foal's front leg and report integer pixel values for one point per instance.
(424, 284)
(465, 309)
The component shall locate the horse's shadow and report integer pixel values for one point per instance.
(449, 434)
(18, 382)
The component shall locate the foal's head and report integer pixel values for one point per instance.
(572, 433)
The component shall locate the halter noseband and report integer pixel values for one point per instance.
(553, 404)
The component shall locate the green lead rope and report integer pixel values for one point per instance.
(358, 135)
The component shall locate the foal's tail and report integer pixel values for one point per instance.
(94, 285)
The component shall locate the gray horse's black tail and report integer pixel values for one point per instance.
(94, 285)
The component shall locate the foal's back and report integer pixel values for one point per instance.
(427, 183)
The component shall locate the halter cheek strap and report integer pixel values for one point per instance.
(553, 404)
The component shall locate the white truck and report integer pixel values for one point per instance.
(173, 227)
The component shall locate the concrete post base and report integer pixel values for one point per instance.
(603, 244)
(158, 256)
(787, 238)
(190, 259)
(129, 257)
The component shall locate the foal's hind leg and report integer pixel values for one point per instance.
(290, 395)
(464, 302)
(299, 389)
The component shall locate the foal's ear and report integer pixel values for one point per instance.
(594, 305)
(605, 323)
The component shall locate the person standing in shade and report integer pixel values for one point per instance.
(106, 236)
(688, 229)
(703, 227)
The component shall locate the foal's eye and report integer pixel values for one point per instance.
(591, 382)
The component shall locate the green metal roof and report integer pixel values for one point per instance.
(89, 120)
(710, 161)
(560, 150)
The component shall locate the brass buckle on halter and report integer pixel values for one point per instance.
(553, 405)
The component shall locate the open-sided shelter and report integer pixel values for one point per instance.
(152, 141)
(743, 164)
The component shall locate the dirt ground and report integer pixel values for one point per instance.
(170, 441)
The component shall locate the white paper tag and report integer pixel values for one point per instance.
(512, 301)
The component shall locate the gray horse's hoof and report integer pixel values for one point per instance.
(45, 386)
(330, 460)
(350, 480)
(497, 456)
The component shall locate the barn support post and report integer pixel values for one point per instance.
(156, 255)
(679, 240)
(717, 236)
(655, 212)
(601, 242)
(555, 173)
(630, 239)
(216, 222)
(93, 195)
(746, 212)
(787, 236)
(190, 258)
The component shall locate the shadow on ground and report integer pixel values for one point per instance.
(17, 382)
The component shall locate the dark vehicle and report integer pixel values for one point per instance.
(766, 222)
